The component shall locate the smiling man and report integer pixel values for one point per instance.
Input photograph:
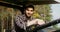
(25, 20)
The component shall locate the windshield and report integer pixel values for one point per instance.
(45, 11)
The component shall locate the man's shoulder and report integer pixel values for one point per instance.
(20, 16)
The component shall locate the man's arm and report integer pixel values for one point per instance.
(35, 21)
(18, 21)
(29, 23)
(40, 22)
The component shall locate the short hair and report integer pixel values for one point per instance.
(28, 6)
(25, 6)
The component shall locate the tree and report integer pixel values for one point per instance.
(43, 11)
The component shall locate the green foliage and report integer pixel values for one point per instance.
(43, 9)
(36, 15)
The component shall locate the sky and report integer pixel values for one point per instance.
(55, 8)
(55, 12)
(57, 0)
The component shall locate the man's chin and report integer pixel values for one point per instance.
(29, 16)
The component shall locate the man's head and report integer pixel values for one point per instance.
(29, 10)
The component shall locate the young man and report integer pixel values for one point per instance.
(25, 20)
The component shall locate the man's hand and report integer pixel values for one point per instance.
(40, 22)
(35, 21)
(29, 23)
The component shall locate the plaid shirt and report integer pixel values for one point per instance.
(21, 21)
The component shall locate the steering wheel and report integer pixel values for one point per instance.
(31, 28)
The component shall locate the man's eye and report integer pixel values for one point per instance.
(27, 10)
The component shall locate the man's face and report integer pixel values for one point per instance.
(29, 12)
